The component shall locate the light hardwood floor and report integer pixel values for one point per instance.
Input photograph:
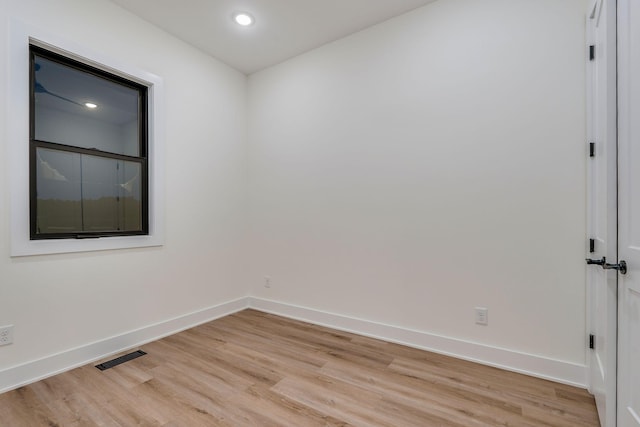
(257, 369)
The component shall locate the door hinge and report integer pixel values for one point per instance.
(592, 149)
(592, 52)
(592, 341)
(592, 245)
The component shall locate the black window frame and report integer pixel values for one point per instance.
(142, 159)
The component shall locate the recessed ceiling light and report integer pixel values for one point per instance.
(243, 18)
(90, 105)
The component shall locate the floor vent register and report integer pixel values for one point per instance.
(119, 360)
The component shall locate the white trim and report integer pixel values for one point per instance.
(20, 35)
(530, 364)
(36, 370)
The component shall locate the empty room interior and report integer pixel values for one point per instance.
(354, 213)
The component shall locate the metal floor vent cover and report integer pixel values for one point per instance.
(118, 360)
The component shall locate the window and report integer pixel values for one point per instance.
(94, 59)
(88, 152)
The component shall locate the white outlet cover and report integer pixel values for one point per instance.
(6, 334)
(482, 316)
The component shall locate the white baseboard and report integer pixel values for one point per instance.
(529, 364)
(534, 365)
(26, 373)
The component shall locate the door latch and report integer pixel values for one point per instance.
(621, 266)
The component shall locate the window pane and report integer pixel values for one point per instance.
(62, 116)
(111, 194)
(131, 196)
(59, 201)
(79, 192)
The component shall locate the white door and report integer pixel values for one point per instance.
(602, 208)
(629, 212)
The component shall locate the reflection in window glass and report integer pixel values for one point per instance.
(109, 123)
(58, 177)
(80, 193)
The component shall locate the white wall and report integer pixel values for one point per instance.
(428, 165)
(62, 302)
(403, 175)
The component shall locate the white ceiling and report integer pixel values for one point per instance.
(283, 28)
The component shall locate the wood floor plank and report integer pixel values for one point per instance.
(520, 390)
(268, 408)
(258, 369)
(415, 394)
(331, 397)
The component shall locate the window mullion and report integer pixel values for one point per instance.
(89, 151)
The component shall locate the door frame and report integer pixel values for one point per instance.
(602, 130)
(628, 14)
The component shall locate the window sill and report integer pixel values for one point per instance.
(59, 246)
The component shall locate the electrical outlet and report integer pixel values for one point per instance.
(482, 316)
(267, 281)
(6, 334)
